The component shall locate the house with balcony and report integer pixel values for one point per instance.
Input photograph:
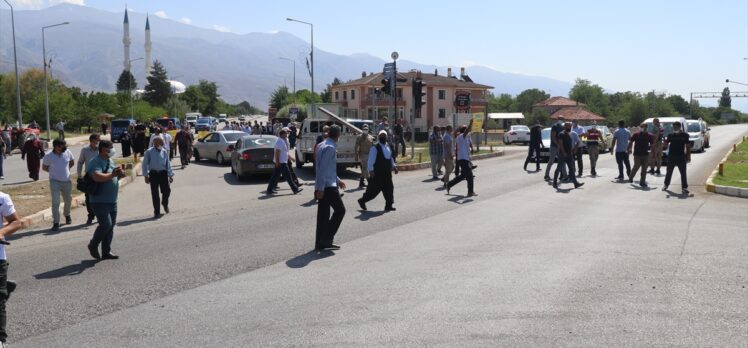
(362, 98)
(568, 109)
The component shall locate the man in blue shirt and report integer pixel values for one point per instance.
(326, 191)
(380, 166)
(104, 200)
(158, 173)
(620, 147)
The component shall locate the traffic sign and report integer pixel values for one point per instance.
(394, 55)
(389, 70)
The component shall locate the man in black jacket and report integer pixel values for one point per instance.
(566, 157)
(381, 165)
(536, 142)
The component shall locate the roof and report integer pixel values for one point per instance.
(428, 79)
(506, 116)
(558, 101)
(578, 113)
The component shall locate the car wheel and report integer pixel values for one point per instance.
(219, 158)
(197, 155)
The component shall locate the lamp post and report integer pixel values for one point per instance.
(129, 85)
(294, 77)
(736, 82)
(15, 62)
(46, 83)
(311, 58)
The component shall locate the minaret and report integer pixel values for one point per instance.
(126, 41)
(148, 62)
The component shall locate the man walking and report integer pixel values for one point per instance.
(104, 200)
(399, 138)
(619, 147)
(58, 163)
(678, 155)
(449, 159)
(281, 159)
(12, 224)
(184, 141)
(436, 151)
(33, 152)
(658, 133)
(362, 149)
(60, 127)
(87, 154)
(594, 137)
(536, 142)
(640, 142)
(556, 130)
(158, 173)
(381, 164)
(579, 152)
(566, 156)
(326, 191)
(463, 160)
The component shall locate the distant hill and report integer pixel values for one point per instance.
(88, 53)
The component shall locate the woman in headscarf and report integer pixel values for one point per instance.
(33, 151)
(126, 144)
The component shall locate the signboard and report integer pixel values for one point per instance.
(462, 100)
(293, 113)
(477, 122)
(389, 70)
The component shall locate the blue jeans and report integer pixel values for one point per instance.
(106, 215)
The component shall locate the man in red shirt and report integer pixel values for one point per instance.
(641, 141)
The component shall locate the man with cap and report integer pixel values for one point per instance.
(281, 159)
(594, 137)
(381, 164)
(363, 148)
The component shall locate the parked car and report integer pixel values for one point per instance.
(119, 127)
(706, 130)
(217, 145)
(695, 135)
(191, 118)
(517, 134)
(312, 128)
(253, 154)
(242, 118)
(667, 125)
(545, 139)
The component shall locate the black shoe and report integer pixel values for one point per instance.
(685, 191)
(594, 173)
(447, 188)
(547, 178)
(166, 209)
(298, 190)
(619, 178)
(651, 171)
(578, 185)
(10, 286)
(657, 172)
(361, 204)
(555, 185)
(434, 178)
(390, 208)
(68, 220)
(664, 188)
(631, 180)
(89, 221)
(327, 247)
(109, 256)
(94, 252)
(157, 215)
(643, 184)
(473, 166)
(55, 227)
(525, 167)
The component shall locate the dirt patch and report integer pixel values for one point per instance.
(32, 197)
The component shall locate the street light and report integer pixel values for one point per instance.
(15, 62)
(311, 58)
(46, 83)
(294, 78)
(736, 82)
(129, 84)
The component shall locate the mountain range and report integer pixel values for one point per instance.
(88, 53)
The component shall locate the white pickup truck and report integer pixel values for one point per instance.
(311, 130)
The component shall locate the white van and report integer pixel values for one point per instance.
(667, 124)
(191, 118)
(311, 130)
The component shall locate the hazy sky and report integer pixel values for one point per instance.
(639, 45)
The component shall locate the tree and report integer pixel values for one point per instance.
(725, 101)
(592, 95)
(528, 98)
(210, 91)
(126, 82)
(158, 89)
(327, 93)
(539, 115)
(503, 103)
(279, 98)
(679, 104)
(194, 98)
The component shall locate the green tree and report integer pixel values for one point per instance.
(503, 103)
(209, 91)
(725, 101)
(326, 96)
(679, 104)
(158, 89)
(539, 115)
(126, 82)
(280, 97)
(194, 98)
(592, 95)
(528, 98)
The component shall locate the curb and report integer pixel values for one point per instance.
(424, 165)
(76, 202)
(725, 190)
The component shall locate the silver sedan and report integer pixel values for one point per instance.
(217, 145)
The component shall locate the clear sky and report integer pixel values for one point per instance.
(638, 45)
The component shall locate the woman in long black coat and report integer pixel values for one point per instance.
(126, 144)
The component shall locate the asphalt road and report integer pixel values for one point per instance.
(521, 264)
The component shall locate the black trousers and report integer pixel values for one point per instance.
(184, 155)
(89, 209)
(579, 157)
(466, 173)
(399, 143)
(623, 158)
(380, 183)
(327, 226)
(533, 150)
(282, 169)
(568, 161)
(159, 180)
(3, 298)
(681, 164)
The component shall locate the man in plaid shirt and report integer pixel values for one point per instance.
(436, 151)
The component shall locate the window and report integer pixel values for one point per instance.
(442, 94)
(399, 93)
(337, 97)
(345, 95)
(214, 138)
(353, 94)
(401, 112)
(442, 113)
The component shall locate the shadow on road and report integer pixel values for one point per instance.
(678, 195)
(460, 199)
(67, 270)
(253, 180)
(134, 221)
(302, 261)
(366, 215)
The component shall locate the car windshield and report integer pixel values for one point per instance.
(203, 120)
(265, 141)
(520, 128)
(232, 137)
(694, 127)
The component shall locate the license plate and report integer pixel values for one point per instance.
(265, 166)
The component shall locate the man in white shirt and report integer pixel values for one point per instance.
(8, 212)
(87, 154)
(58, 163)
(281, 159)
(463, 160)
(381, 164)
